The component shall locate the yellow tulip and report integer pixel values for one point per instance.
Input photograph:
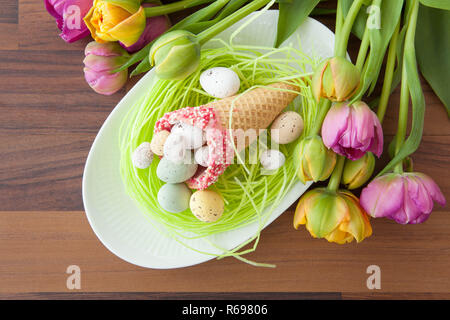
(118, 20)
(335, 216)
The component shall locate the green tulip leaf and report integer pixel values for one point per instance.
(438, 4)
(387, 16)
(433, 48)
(292, 15)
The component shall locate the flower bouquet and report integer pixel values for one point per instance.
(185, 146)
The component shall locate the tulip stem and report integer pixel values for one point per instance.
(324, 106)
(344, 34)
(388, 75)
(335, 179)
(363, 51)
(210, 33)
(173, 7)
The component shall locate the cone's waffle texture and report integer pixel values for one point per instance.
(255, 109)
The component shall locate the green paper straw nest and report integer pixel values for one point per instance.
(246, 192)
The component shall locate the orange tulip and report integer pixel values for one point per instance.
(335, 216)
(118, 20)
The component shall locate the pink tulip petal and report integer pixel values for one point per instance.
(105, 83)
(383, 196)
(74, 27)
(432, 188)
(335, 124)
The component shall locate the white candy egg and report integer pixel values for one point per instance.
(202, 156)
(175, 148)
(220, 82)
(142, 156)
(272, 159)
(194, 137)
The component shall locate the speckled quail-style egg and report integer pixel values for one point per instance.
(272, 159)
(158, 141)
(142, 156)
(194, 137)
(287, 127)
(207, 205)
(170, 172)
(174, 197)
(220, 82)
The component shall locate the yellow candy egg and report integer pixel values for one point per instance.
(287, 127)
(207, 205)
(158, 141)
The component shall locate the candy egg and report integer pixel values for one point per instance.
(207, 205)
(170, 172)
(157, 144)
(175, 148)
(272, 159)
(287, 127)
(142, 156)
(220, 82)
(202, 156)
(194, 137)
(174, 197)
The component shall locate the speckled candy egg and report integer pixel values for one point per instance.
(272, 159)
(202, 156)
(287, 127)
(207, 205)
(157, 144)
(142, 156)
(220, 82)
(174, 197)
(170, 172)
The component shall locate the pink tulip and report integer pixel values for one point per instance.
(406, 198)
(352, 130)
(69, 17)
(154, 27)
(101, 59)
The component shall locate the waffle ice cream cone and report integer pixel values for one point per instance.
(255, 109)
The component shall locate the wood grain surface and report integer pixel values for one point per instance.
(49, 118)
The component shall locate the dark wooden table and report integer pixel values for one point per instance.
(48, 119)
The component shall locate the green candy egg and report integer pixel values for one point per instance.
(174, 198)
(170, 172)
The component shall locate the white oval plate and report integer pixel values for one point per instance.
(115, 218)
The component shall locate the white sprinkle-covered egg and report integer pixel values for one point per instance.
(220, 82)
(287, 127)
(207, 205)
(272, 159)
(174, 197)
(142, 156)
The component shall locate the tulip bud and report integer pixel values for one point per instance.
(358, 172)
(315, 161)
(335, 216)
(175, 55)
(100, 61)
(337, 79)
